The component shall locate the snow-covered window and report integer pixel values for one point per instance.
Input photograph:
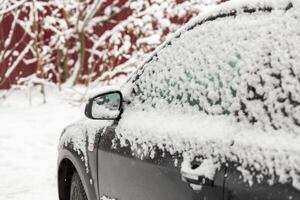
(225, 88)
(244, 64)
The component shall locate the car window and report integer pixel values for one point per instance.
(245, 67)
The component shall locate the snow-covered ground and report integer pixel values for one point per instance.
(29, 137)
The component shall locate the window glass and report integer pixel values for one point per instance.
(246, 67)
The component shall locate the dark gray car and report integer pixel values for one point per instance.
(237, 63)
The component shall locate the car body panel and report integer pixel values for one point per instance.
(88, 177)
(121, 172)
(236, 188)
(72, 156)
(123, 175)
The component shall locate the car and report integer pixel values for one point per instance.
(213, 113)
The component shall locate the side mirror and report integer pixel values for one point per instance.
(106, 106)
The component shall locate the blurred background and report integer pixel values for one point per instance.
(92, 42)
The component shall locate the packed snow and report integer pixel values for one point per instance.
(228, 90)
(29, 136)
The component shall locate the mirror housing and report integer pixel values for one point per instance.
(104, 106)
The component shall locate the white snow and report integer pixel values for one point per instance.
(104, 89)
(207, 169)
(228, 89)
(82, 134)
(106, 198)
(215, 64)
(29, 136)
(214, 137)
(18, 60)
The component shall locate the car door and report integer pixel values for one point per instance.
(236, 188)
(123, 175)
(271, 175)
(141, 170)
(209, 71)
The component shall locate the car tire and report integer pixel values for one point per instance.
(77, 190)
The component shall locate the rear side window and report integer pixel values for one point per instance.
(244, 65)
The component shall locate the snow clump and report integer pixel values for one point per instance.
(225, 87)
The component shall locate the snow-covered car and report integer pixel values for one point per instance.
(214, 113)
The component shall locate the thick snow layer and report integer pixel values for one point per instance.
(212, 11)
(103, 90)
(29, 136)
(228, 89)
(246, 67)
(216, 139)
(207, 169)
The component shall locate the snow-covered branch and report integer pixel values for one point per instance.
(83, 41)
(9, 6)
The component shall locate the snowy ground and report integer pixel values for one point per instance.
(29, 137)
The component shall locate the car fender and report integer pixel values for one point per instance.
(88, 178)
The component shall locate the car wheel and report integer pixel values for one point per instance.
(77, 191)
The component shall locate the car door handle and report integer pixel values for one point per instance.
(196, 179)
